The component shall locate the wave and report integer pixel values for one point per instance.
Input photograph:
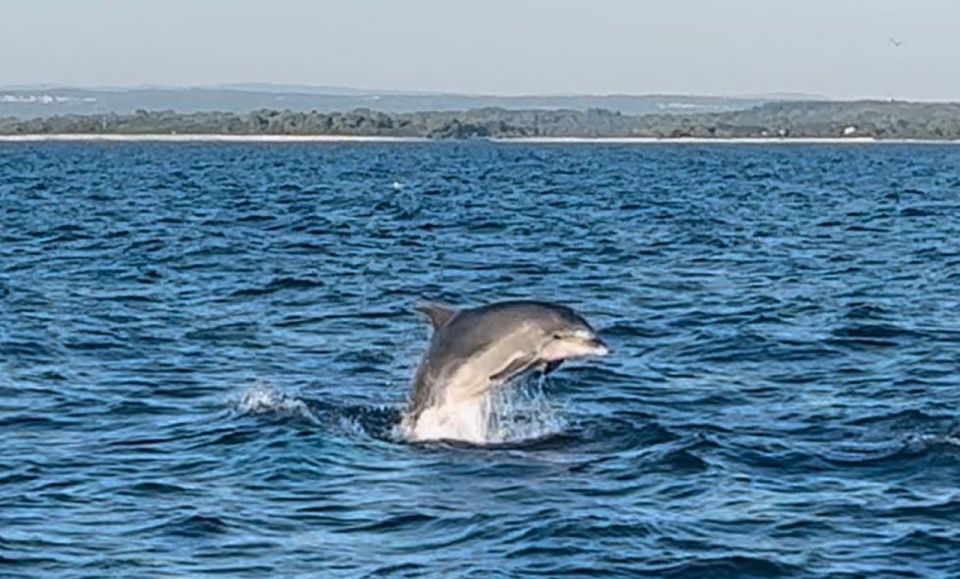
(263, 398)
(279, 284)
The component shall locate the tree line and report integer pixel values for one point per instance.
(877, 119)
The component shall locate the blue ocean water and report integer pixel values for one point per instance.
(205, 349)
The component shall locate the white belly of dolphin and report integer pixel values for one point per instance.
(502, 415)
(467, 420)
(466, 410)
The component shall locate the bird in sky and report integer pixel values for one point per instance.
(896, 43)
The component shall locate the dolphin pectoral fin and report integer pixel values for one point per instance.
(551, 366)
(514, 368)
(438, 315)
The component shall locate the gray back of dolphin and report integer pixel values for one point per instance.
(474, 350)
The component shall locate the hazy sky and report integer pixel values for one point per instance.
(836, 48)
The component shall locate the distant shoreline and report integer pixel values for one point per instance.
(204, 137)
(238, 138)
(773, 122)
(728, 140)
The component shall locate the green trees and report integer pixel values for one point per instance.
(878, 119)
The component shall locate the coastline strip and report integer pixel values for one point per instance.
(206, 137)
(228, 138)
(733, 141)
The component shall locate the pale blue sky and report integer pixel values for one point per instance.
(837, 48)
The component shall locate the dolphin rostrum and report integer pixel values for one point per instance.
(473, 351)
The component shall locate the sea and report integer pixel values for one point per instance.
(206, 350)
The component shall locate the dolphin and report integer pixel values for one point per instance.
(474, 351)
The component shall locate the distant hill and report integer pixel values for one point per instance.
(42, 101)
(875, 119)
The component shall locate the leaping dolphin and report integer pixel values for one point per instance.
(473, 351)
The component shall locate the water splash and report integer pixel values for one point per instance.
(515, 412)
(524, 412)
(262, 398)
(923, 441)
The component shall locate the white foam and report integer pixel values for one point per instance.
(265, 399)
(953, 440)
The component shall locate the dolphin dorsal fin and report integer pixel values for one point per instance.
(439, 315)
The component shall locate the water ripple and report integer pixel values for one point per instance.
(205, 351)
